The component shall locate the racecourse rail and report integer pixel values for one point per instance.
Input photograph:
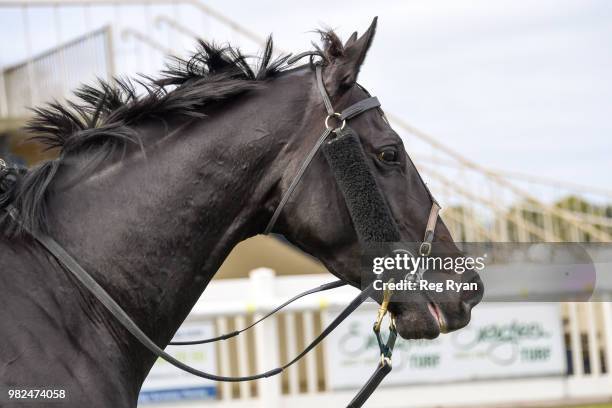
(232, 303)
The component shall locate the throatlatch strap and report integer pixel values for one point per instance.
(296, 181)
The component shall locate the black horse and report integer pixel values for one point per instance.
(151, 193)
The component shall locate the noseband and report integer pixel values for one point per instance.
(341, 134)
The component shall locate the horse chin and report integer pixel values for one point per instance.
(417, 323)
(425, 317)
(427, 320)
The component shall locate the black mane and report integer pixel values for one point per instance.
(101, 120)
(105, 113)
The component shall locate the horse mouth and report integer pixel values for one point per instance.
(438, 316)
(424, 316)
(428, 319)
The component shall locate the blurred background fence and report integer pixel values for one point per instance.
(479, 204)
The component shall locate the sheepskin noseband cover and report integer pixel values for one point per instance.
(368, 208)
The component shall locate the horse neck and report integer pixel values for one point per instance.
(153, 229)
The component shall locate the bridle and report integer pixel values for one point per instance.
(364, 105)
(350, 112)
(386, 348)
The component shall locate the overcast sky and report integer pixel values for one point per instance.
(517, 85)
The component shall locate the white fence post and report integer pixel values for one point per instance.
(224, 359)
(243, 359)
(593, 340)
(291, 341)
(267, 343)
(311, 358)
(575, 339)
(607, 325)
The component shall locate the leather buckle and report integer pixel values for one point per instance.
(383, 309)
(425, 249)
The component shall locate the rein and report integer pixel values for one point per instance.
(374, 226)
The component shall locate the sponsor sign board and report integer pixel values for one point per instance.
(167, 383)
(503, 340)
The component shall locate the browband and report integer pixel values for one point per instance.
(359, 107)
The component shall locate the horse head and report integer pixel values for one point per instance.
(317, 219)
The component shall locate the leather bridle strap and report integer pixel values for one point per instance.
(321, 288)
(359, 107)
(354, 110)
(72, 266)
(321, 86)
(425, 247)
(296, 180)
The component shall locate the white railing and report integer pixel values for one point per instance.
(585, 337)
(55, 73)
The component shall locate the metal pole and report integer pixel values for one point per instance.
(29, 61)
(3, 96)
(110, 56)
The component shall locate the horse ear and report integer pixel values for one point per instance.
(351, 40)
(346, 68)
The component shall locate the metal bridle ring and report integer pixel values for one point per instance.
(337, 115)
(425, 249)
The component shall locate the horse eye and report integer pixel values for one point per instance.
(388, 156)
